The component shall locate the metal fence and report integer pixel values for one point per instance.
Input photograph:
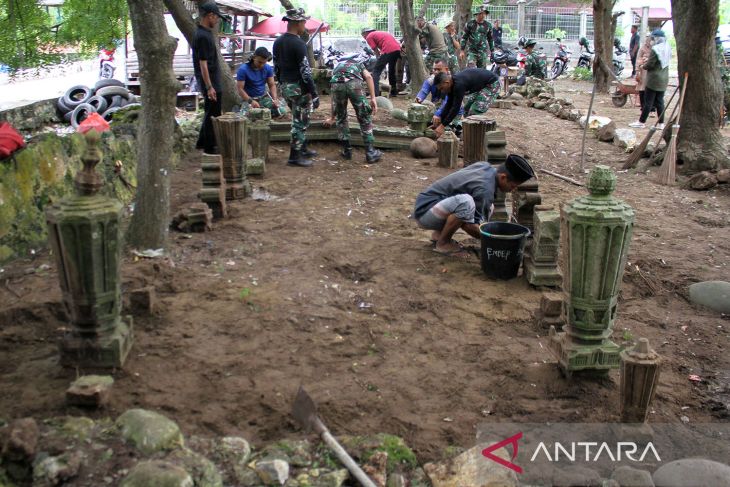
(346, 19)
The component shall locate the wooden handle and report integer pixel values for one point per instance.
(353, 467)
(681, 97)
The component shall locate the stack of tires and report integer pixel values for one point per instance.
(105, 98)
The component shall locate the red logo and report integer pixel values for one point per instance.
(487, 452)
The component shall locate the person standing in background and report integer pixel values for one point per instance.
(497, 34)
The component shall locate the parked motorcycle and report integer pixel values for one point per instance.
(561, 60)
(504, 58)
(328, 56)
(106, 64)
(619, 53)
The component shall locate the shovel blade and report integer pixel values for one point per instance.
(304, 410)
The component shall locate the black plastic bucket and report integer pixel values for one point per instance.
(502, 247)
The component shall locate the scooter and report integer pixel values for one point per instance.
(618, 58)
(586, 58)
(106, 64)
(328, 56)
(504, 58)
(561, 60)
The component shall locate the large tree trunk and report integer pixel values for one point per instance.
(462, 14)
(699, 145)
(155, 138)
(603, 38)
(412, 44)
(187, 26)
(305, 37)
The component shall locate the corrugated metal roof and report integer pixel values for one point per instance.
(241, 7)
(655, 13)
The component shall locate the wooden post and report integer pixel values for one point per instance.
(448, 150)
(213, 192)
(475, 140)
(231, 133)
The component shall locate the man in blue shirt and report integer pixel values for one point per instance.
(253, 77)
(429, 88)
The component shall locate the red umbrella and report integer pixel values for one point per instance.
(275, 25)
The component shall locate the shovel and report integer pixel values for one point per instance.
(305, 412)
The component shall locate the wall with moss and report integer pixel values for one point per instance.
(42, 173)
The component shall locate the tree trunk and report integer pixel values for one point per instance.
(462, 14)
(155, 138)
(305, 37)
(603, 38)
(699, 144)
(412, 44)
(187, 26)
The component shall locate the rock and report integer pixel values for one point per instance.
(577, 476)
(423, 148)
(470, 468)
(713, 294)
(530, 102)
(377, 468)
(234, 451)
(298, 453)
(606, 133)
(149, 431)
(332, 479)
(632, 477)
(22, 441)
(595, 123)
(79, 428)
(247, 478)
(574, 115)
(399, 114)
(272, 472)
(255, 166)
(625, 139)
(384, 103)
(545, 96)
(692, 472)
(90, 391)
(723, 176)
(157, 474)
(203, 471)
(396, 480)
(702, 181)
(566, 102)
(540, 105)
(563, 114)
(56, 470)
(649, 149)
(554, 108)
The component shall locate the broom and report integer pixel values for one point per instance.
(639, 150)
(667, 172)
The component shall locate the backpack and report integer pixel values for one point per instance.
(10, 140)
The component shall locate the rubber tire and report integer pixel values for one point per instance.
(103, 83)
(99, 102)
(113, 90)
(76, 114)
(107, 115)
(582, 64)
(63, 109)
(557, 69)
(71, 102)
(619, 100)
(114, 101)
(67, 116)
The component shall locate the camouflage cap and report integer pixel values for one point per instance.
(295, 15)
(480, 9)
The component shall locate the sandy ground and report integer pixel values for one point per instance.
(331, 286)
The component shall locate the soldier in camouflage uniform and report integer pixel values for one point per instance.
(297, 85)
(347, 84)
(476, 39)
(535, 66)
(452, 47)
(434, 41)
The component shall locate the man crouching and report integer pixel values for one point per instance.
(464, 199)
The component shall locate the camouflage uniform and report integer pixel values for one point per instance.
(535, 66)
(451, 49)
(477, 38)
(300, 104)
(436, 43)
(479, 102)
(347, 84)
(265, 101)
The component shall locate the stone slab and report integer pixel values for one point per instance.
(713, 294)
(90, 391)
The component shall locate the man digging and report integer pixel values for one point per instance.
(464, 199)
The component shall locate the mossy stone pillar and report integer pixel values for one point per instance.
(419, 117)
(597, 231)
(231, 132)
(259, 131)
(84, 232)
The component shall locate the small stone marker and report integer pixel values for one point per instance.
(143, 300)
(90, 391)
(551, 311)
(640, 368)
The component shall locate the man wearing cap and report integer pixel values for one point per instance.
(297, 85)
(463, 200)
(435, 42)
(476, 88)
(477, 40)
(535, 65)
(347, 84)
(452, 46)
(253, 77)
(388, 51)
(207, 72)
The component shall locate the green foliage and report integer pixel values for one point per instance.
(94, 24)
(582, 73)
(725, 12)
(619, 32)
(508, 32)
(555, 33)
(25, 34)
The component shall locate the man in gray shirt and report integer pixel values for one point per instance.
(463, 199)
(434, 41)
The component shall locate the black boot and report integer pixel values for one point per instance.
(346, 151)
(372, 154)
(296, 159)
(306, 152)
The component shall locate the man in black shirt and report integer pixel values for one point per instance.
(497, 33)
(634, 48)
(207, 72)
(476, 87)
(294, 74)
